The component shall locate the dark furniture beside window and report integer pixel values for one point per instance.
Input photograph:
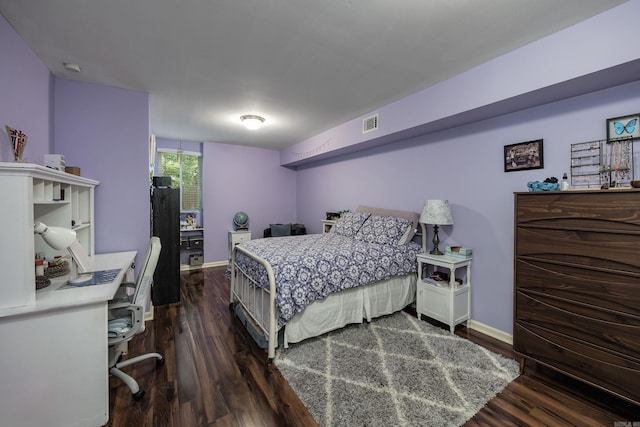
(165, 205)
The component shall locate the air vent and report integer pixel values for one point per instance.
(370, 123)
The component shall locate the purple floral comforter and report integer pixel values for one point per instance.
(310, 267)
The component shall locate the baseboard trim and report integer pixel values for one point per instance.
(187, 267)
(491, 331)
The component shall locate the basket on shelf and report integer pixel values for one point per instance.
(57, 270)
(42, 282)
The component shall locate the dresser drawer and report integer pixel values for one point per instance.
(615, 291)
(613, 251)
(603, 369)
(601, 328)
(611, 210)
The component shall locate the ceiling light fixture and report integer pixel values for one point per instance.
(251, 121)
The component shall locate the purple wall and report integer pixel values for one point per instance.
(105, 131)
(243, 179)
(25, 91)
(571, 62)
(465, 166)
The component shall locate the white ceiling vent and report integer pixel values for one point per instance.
(370, 123)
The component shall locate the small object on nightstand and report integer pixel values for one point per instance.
(460, 251)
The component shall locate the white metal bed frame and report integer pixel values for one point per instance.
(259, 303)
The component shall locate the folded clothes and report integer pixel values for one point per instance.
(117, 327)
(542, 186)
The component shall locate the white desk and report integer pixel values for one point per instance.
(53, 353)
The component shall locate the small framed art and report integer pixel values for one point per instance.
(523, 156)
(624, 127)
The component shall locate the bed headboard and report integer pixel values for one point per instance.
(414, 217)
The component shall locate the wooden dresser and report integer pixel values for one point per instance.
(577, 286)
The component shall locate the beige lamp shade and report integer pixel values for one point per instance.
(436, 212)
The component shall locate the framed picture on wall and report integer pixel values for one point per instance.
(623, 127)
(523, 156)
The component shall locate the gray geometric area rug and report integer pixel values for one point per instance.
(395, 371)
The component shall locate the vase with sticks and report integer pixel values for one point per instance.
(18, 141)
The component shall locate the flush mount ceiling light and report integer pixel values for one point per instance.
(251, 121)
(72, 67)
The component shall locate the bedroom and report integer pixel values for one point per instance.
(460, 163)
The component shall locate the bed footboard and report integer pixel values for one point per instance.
(259, 303)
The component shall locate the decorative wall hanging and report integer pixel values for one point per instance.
(523, 156)
(624, 127)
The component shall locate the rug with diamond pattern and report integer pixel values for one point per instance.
(394, 371)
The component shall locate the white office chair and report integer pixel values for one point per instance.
(126, 318)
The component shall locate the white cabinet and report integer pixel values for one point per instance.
(448, 302)
(237, 237)
(33, 193)
(327, 225)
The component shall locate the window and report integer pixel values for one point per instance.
(184, 169)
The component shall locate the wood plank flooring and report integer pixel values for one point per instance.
(214, 375)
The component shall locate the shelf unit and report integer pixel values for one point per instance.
(34, 193)
(191, 246)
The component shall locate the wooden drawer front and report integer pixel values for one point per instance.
(600, 368)
(594, 249)
(601, 328)
(612, 291)
(610, 210)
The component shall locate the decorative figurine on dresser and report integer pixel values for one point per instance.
(577, 286)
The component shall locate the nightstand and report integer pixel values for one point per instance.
(447, 302)
(327, 224)
(236, 237)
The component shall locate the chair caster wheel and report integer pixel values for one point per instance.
(160, 362)
(139, 395)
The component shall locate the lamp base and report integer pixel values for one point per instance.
(436, 241)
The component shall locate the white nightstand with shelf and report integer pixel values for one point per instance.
(327, 224)
(447, 302)
(237, 237)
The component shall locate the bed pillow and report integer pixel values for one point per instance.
(414, 217)
(278, 230)
(384, 230)
(349, 223)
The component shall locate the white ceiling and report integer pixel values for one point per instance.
(304, 65)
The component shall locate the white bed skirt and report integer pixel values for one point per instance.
(351, 306)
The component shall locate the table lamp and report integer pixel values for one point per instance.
(436, 212)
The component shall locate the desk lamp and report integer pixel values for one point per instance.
(56, 237)
(64, 238)
(436, 212)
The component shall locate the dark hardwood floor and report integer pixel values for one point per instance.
(214, 375)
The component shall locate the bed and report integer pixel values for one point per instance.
(297, 287)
